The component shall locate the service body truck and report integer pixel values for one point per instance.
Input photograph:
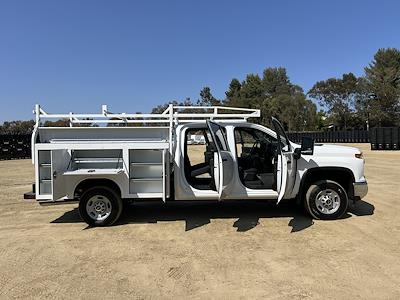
(150, 157)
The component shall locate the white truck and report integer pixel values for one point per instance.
(148, 157)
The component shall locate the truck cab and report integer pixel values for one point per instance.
(240, 161)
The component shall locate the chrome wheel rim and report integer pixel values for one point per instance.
(98, 207)
(327, 201)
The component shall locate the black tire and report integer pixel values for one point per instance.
(113, 203)
(314, 206)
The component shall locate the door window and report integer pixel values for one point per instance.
(220, 136)
(281, 135)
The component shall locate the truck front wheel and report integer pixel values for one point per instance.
(326, 200)
(100, 206)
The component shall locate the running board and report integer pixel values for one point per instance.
(61, 202)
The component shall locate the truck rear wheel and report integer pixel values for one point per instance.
(100, 206)
(326, 200)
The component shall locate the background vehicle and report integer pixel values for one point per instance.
(102, 166)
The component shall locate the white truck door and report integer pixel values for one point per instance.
(59, 164)
(223, 159)
(284, 157)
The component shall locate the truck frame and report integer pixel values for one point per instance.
(111, 157)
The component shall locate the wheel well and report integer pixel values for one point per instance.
(88, 183)
(343, 176)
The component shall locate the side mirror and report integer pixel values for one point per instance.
(297, 153)
(307, 148)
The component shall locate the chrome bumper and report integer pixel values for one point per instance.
(360, 189)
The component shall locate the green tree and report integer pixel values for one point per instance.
(383, 78)
(322, 120)
(207, 99)
(295, 112)
(275, 81)
(273, 94)
(233, 92)
(362, 104)
(17, 127)
(338, 95)
(252, 92)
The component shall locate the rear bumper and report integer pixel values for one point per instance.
(360, 189)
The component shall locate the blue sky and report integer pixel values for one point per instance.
(133, 55)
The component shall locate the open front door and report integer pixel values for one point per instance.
(284, 150)
(223, 160)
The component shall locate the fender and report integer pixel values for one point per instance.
(344, 176)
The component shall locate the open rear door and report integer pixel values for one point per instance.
(284, 147)
(223, 160)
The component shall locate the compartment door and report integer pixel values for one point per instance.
(60, 160)
(223, 160)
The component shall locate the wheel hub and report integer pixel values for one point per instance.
(98, 207)
(328, 201)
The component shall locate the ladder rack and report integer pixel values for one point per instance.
(169, 118)
(172, 115)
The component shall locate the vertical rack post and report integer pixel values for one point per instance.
(163, 175)
(34, 132)
(171, 123)
(37, 114)
(169, 154)
(70, 119)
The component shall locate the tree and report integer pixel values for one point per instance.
(207, 99)
(275, 81)
(383, 78)
(273, 94)
(362, 104)
(338, 96)
(251, 92)
(295, 112)
(17, 127)
(233, 92)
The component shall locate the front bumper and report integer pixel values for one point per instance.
(360, 189)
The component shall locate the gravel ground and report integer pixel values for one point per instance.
(221, 250)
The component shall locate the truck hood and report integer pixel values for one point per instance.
(334, 150)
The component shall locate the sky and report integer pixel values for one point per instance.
(133, 55)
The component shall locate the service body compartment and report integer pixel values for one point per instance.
(147, 173)
(139, 169)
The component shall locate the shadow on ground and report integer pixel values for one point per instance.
(197, 214)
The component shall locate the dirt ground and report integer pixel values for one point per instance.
(219, 251)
